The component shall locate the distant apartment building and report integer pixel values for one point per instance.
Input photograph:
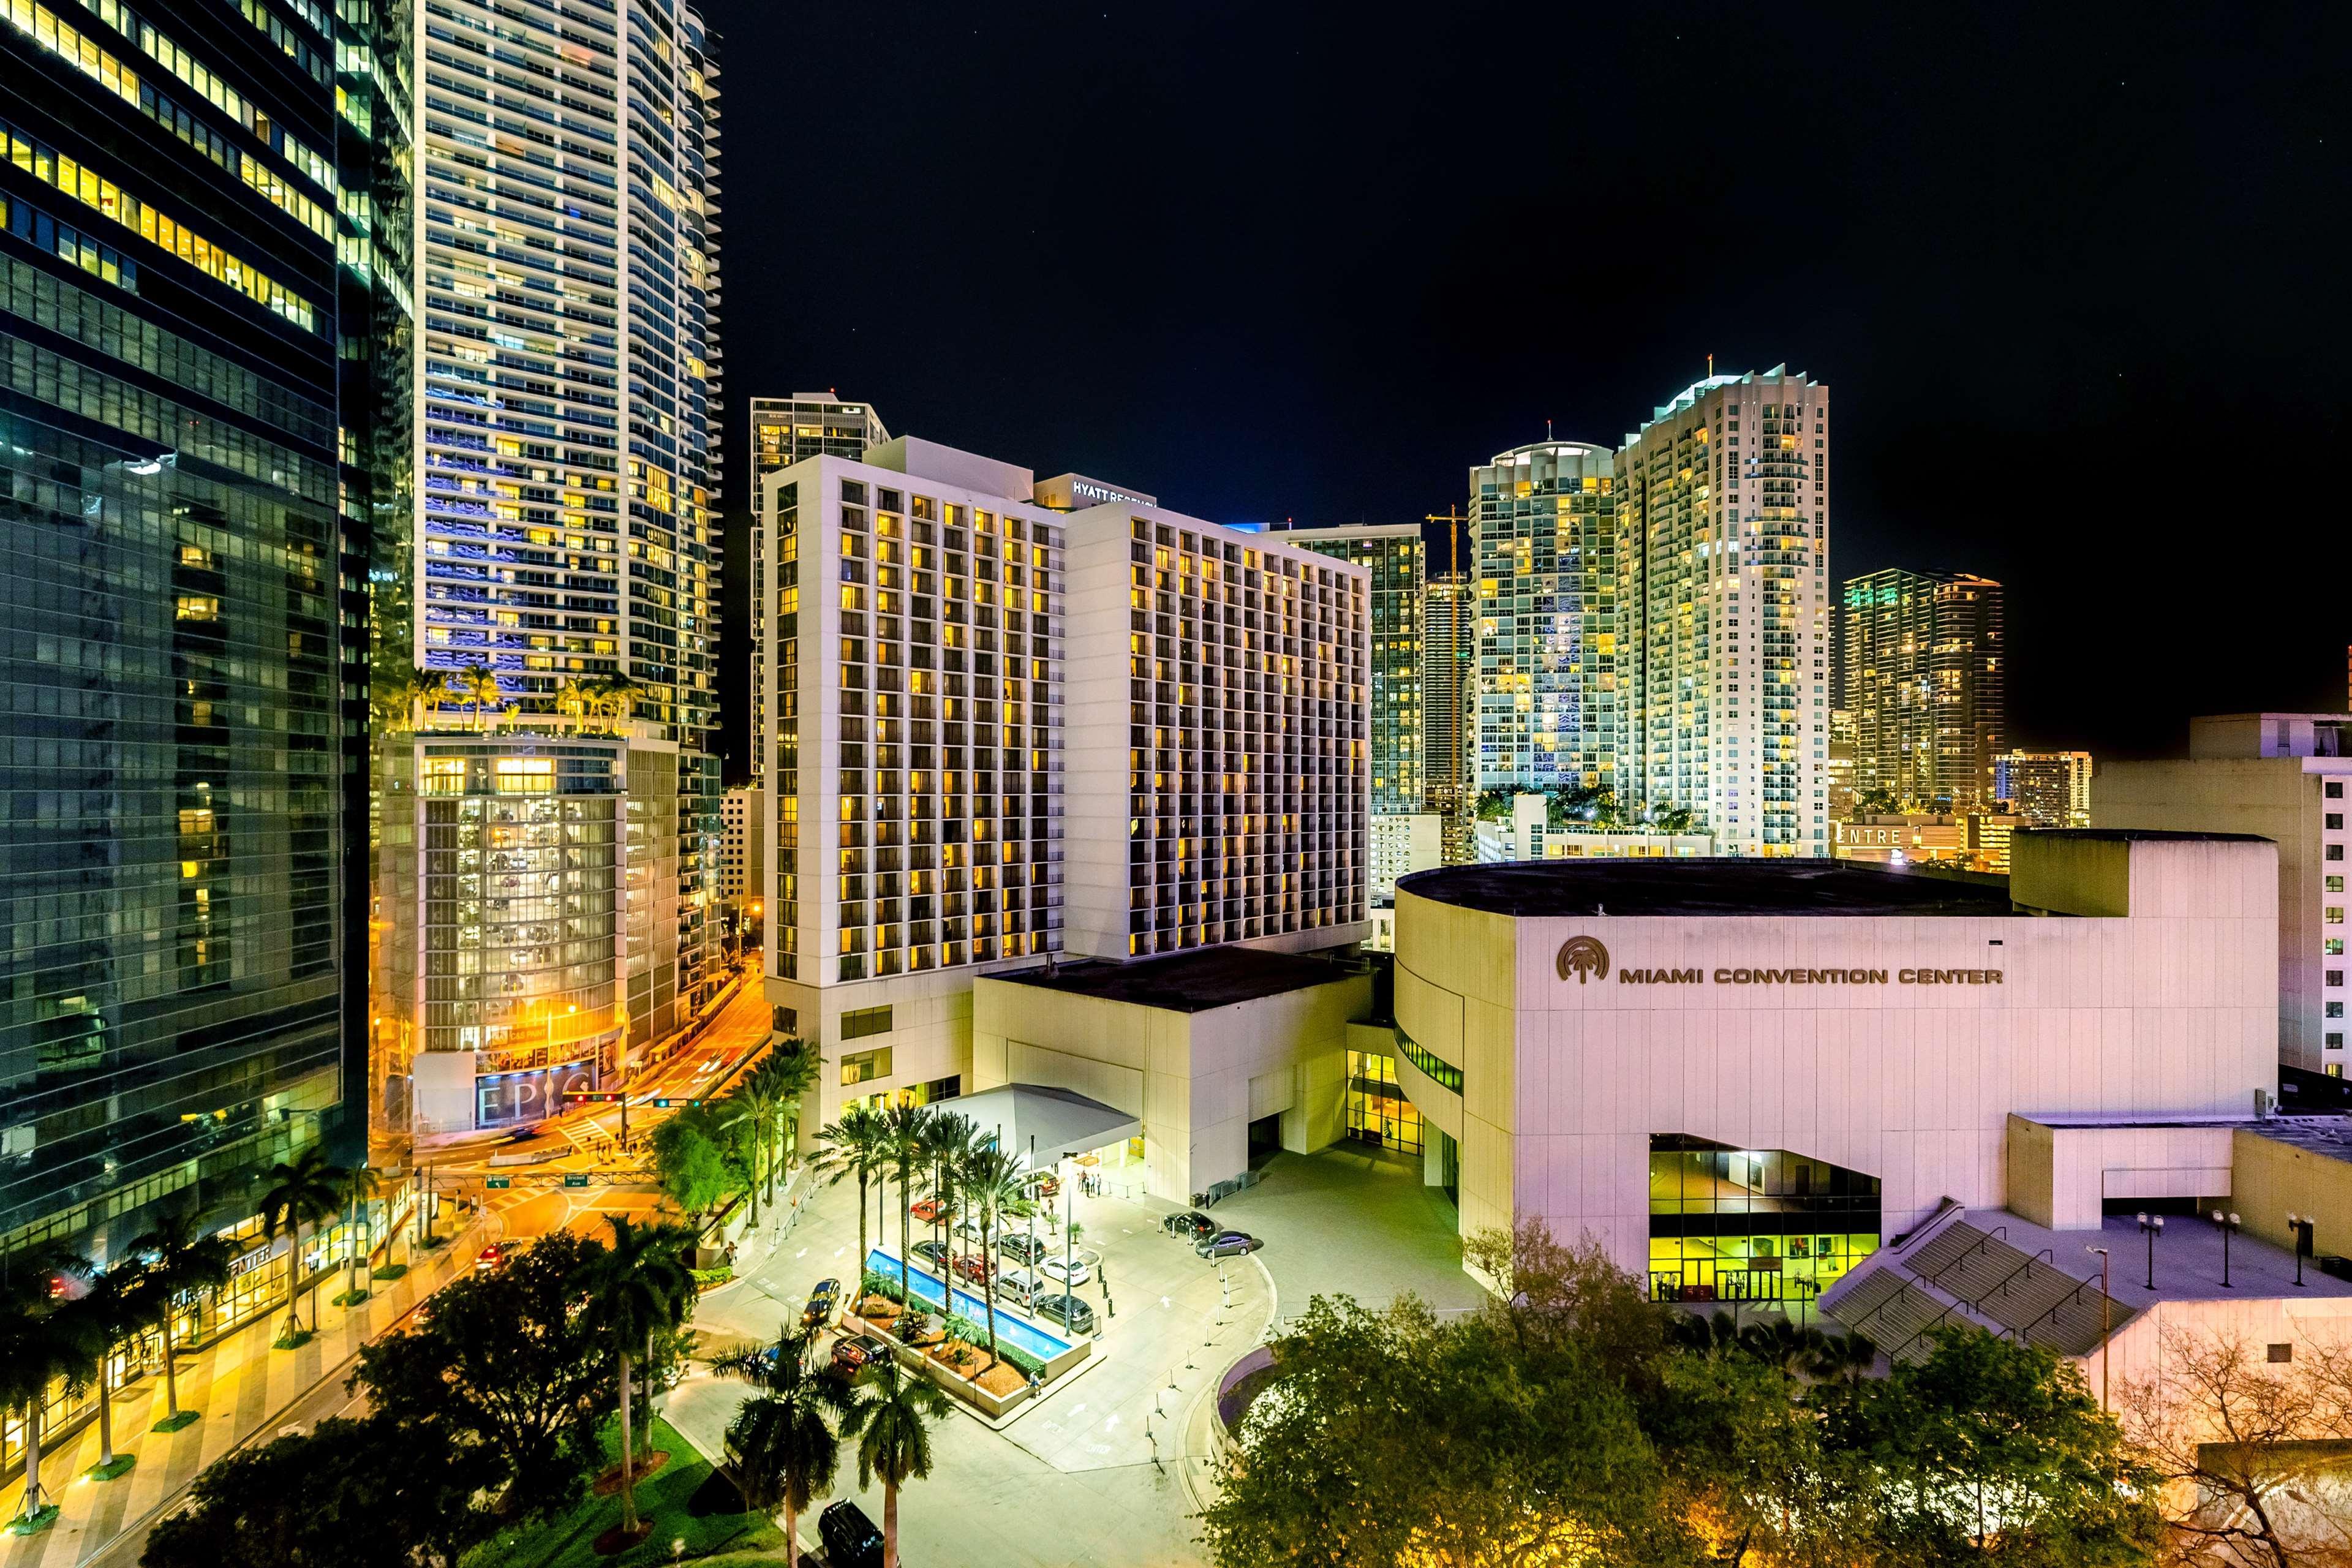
(1926, 678)
(783, 431)
(742, 849)
(1721, 631)
(1403, 843)
(1544, 520)
(2048, 789)
(2283, 777)
(1394, 555)
(1007, 731)
(1839, 766)
(1449, 688)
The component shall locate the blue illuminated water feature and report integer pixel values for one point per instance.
(927, 1289)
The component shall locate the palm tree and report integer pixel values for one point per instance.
(302, 1194)
(359, 1189)
(994, 1183)
(573, 697)
(477, 684)
(854, 1146)
(1847, 1358)
(790, 1071)
(786, 1450)
(753, 1104)
(42, 1341)
(399, 694)
(639, 1287)
(903, 1134)
(891, 1414)
(111, 1313)
(945, 1139)
(1780, 1344)
(181, 1257)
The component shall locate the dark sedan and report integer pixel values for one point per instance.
(851, 1355)
(1193, 1225)
(1067, 1311)
(820, 1303)
(1227, 1244)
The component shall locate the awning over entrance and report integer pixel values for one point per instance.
(1044, 1123)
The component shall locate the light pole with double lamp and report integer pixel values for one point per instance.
(2151, 1226)
(2228, 1222)
(2300, 1226)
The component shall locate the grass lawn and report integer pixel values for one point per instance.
(570, 1541)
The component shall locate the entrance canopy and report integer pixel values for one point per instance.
(1045, 1124)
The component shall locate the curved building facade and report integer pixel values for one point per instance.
(1742, 1075)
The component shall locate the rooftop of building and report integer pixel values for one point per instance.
(2188, 1258)
(1193, 982)
(2144, 836)
(1700, 885)
(2328, 1135)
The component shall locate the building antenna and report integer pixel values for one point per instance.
(1547, 429)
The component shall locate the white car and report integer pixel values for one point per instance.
(1020, 1285)
(1071, 1271)
(969, 1228)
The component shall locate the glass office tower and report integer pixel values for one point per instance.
(1398, 561)
(182, 670)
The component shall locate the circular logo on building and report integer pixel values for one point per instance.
(1585, 958)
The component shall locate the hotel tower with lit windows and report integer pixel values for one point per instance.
(1006, 728)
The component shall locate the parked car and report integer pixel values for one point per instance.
(970, 1228)
(1072, 1271)
(1227, 1244)
(851, 1539)
(929, 1209)
(852, 1353)
(973, 1267)
(821, 1302)
(934, 1253)
(1020, 1287)
(1046, 1187)
(1192, 1224)
(1067, 1311)
(1023, 1249)
(493, 1257)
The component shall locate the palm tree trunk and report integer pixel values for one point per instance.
(647, 1373)
(628, 1498)
(905, 1287)
(987, 1296)
(864, 1250)
(106, 1406)
(792, 1533)
(33, 1455)
(293, 1281)
(891, 1524)
(171, 1370)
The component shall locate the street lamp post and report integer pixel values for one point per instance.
(2228, 1222)
(2151, 1226)
(2299, 1226)
(2106, 1327)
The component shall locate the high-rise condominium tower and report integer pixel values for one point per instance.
(1393, 554)
(1004, 730)
(182, 622)
(783, 431)
(2049, 789)
(568, 438)
(1926, 679)
(1544, 521)
(1724, 630)
(1449, 693)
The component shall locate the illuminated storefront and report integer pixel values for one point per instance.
(1755, 1225)
(1377, 1112)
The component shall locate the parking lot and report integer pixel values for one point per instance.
(1074, 1479)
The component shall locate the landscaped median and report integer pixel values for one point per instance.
(946, 1336)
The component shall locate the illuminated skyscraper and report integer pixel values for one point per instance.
(1926, 679)
(1545, 521)
(2049, 789)
(1725, 626)
(185, 484)
(1449, 687)
(783, 431)
(1396, 558)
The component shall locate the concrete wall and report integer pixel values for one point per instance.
(1202, 1077)
(2169, 1010)
(2059, 1176)
(2276, 1178)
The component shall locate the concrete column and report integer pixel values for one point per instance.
(1318, 1105)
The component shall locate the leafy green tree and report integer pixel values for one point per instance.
(640, 1286)
(42, 1341)
(890, 1413)
(786, 1450)
(856, 1146)
(511, 1369)
(1494, 805)
(690, 1159)
(299, 1194)
(1876, 801)
(1582, 805)
(352, 1494)
(1993, 1451)
(181, 1258)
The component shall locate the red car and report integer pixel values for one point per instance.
(930, 1209)
(494, 1258)
(976, 1269)
(851, 1354)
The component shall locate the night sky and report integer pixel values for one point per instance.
(2076, 282)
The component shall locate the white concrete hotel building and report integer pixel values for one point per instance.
(1005, 726)
(1742, 1076)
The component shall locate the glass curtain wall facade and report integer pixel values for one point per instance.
(1545, 521)
(1449, 692)
(1377, 1112)
(568, 429)
(1753, 1224)
(182, 674)
(1398, 561)
(1926, 677)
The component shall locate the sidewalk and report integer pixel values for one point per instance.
(244, 1391)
